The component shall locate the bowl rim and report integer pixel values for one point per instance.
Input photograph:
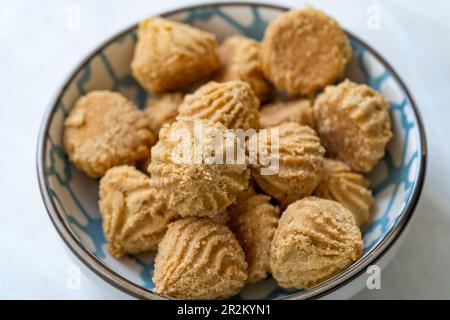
(125, 285)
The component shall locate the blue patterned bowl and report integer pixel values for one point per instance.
(71, 197)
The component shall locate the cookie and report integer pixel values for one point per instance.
(315, 239)
(171, 56)
(303, 51)
(296, 157)
(349, 188)
(231, 103)
(253, 222)
(291, 110)
(353, 123)
(199, 259)
(196, 186)
(104, 130)
(239, 57)
(133, 212)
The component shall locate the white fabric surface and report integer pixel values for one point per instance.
(39, 46)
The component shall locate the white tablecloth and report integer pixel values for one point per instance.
(40, 43)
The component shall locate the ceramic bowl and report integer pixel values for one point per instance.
(71, 197)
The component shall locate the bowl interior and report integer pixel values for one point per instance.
(74, 196)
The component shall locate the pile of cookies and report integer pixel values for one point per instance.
(219, 226)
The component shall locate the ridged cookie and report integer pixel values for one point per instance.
(353, 124)
(239, 57)
(315, 239)
(133, 212)
(171, 56)
(195, 186)
(199, 259)
(349, 188)
(253, 222)
(231, 103)
(300, 161)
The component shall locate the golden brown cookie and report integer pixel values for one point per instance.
(348, 188)
(195, 186)
(292, 110)
(134, 215)
(104, 130)
(353, 124)
(171, 56)
(163, 109)
(199, 259)
(300, 161)
(239, 58)
(315, 239)
(253, 222)
(231, 103)
(303, 51)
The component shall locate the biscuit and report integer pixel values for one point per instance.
(104, 130)
(171, 56)
(134, 214)
(353, 124)
(348, 188)
(199, 259)
(292, 110)
(303, 51)
(239, 58)
(163, 109)
(300, 161)
(196, 188)
(231, 103)
(315, 239)
(253, 222)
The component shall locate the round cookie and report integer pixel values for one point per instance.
(171, 56)
(303, 51)
(239, 58)
(134, 215)
(104, 130)
(292, 110)
(163, 109)
(253, 222)
(315, 239)
(348, 188)
(231, 103)
(194, 186)
(199, 259)
(353, 124)
(300, 161)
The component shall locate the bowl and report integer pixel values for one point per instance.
(71, 197)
